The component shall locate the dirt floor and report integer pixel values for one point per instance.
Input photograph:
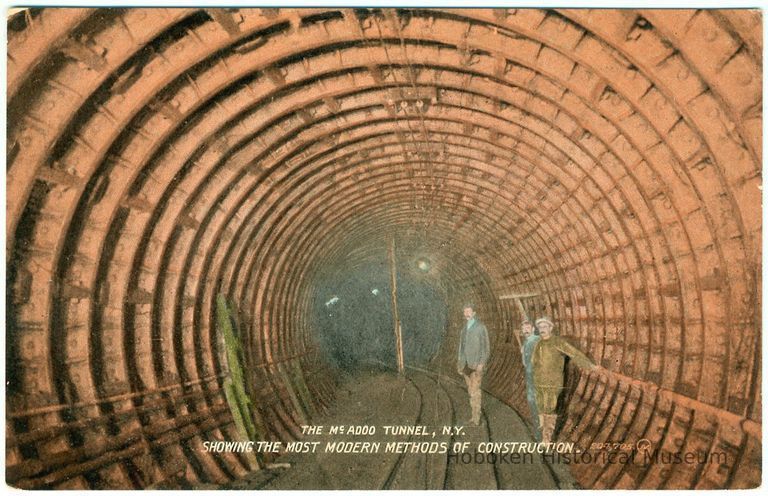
(380, 398)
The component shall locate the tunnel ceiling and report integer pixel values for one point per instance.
(607, 160)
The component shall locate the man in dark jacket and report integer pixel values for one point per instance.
(474, 349)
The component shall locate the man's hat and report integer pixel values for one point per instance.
(543, 320)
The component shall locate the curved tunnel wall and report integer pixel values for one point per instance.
(608, 161)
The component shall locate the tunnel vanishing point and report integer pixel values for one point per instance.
(608, 161)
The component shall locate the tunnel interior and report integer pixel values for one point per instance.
(605, 162)
(354, 315)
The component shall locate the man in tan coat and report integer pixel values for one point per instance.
(548, 363)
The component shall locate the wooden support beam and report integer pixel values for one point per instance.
(395, 315)
(513, 296)
(517, 297)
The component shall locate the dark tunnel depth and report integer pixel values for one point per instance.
(353, 312)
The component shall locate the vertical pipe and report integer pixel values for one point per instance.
(395, 315)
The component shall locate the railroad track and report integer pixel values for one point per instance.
(401, 457)
(431, 399)
(454, 391)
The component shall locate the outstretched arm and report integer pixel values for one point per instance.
(580, 359)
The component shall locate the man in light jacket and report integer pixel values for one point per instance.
(530, 340)
(474, 350)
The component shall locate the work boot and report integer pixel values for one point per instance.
(476, 416)
(552, 424)
(548, 422)
(475, 420)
